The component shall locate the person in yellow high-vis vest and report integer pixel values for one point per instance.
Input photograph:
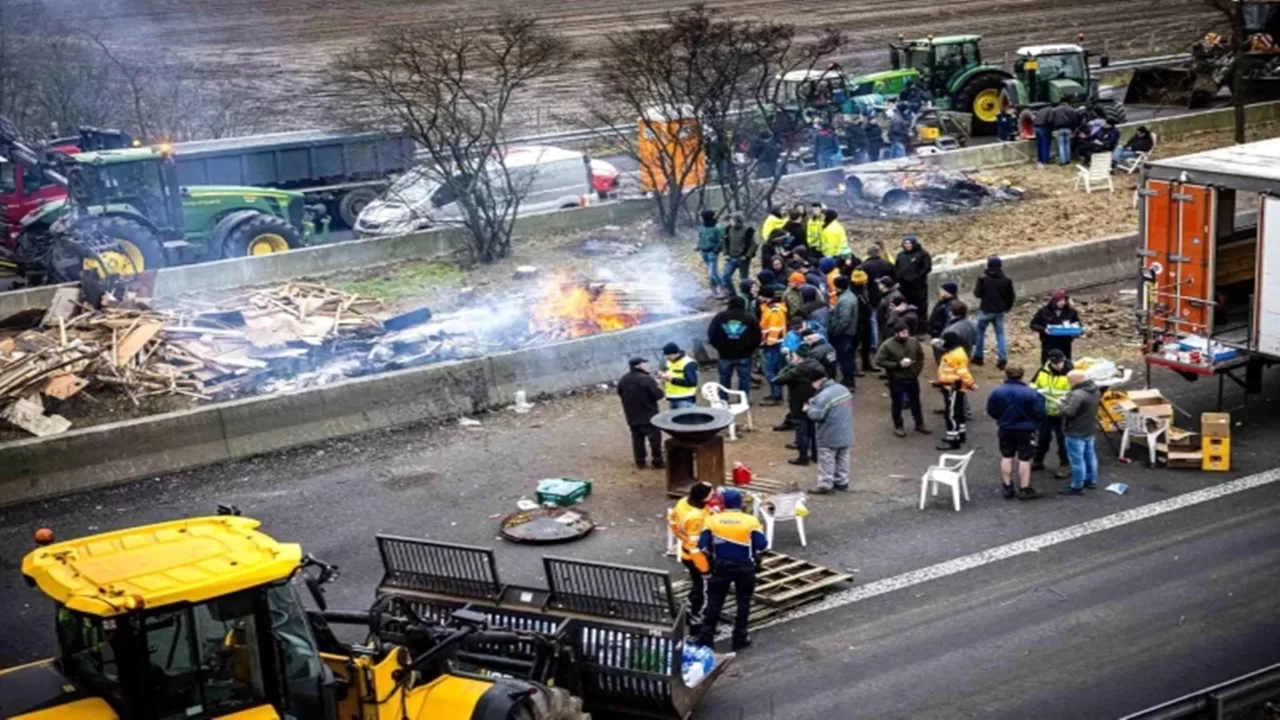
(681, 378)
(813, 228)
(686, 521)
(775, 220)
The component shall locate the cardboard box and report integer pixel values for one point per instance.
(1157, 411)
(1213, 424)
(1182, 439)
(1185, 459)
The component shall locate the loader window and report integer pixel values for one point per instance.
(88, 648)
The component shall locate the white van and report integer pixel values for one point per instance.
(548, 178)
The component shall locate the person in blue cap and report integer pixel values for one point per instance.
(733, 541)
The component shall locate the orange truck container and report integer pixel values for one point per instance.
(669, 148)
(1210, 295)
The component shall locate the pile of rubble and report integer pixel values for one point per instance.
(142, 351)
(922, 189)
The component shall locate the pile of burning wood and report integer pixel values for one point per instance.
(205, 353)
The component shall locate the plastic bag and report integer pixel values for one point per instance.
(697, 662)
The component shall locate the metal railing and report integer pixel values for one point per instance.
(1219, 701)
(436, 567)
(607, 590)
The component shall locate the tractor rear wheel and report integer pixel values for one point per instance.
(1111, 112)
(980, 96)
(262, 235)
(351, 203)
(110, 246)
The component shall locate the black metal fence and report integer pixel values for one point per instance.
(1236, 699)
(613, 591)
(437, 567)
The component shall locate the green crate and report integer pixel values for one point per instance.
(563, 491)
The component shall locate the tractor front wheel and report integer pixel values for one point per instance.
(981, 97)
(262, 235)
(109, 246)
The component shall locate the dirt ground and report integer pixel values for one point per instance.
(297, 38)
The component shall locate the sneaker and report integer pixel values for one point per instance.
(1009, 492)
(1028, 493)
(802, 462)
(820, 490)
(923, 430)
(1001, 364)
(1091, 486)
(976, 361)
(1063, 472)
(1071, 491)
(842, 488)
(899, 432)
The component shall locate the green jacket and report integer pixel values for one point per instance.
(1053, 385)
(711, 239)
(891, 354)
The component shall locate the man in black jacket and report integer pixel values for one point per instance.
(940, 316)
(735, 334)
(912, 268)
(995, 298)
(640, 395)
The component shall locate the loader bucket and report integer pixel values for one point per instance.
(1161, 86)
(620, 626)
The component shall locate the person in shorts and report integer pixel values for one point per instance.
(1018, 410)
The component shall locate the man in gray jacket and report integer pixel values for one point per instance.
(832, 410)
(1079, 411)
(843, 330)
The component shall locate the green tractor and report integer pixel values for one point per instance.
(1047, 74)
(951, 69)
(125, 213)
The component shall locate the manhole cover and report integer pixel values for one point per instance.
(546, 525)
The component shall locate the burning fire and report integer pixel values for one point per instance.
(580, 309)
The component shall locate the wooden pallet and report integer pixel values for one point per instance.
(787, 583)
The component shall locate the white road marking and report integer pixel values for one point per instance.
(1026, 545)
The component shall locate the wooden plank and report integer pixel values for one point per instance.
(61, 387)
(790, 579)
(834, 579)
(134, 341)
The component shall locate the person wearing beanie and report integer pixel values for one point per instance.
(866, 320)
(1056, 312)
(940, 316)
(814, 311)
(735, 334)
(814, 278)
(686, 521)
(792, 297)
(773, 328)
(1051, 382)
(955, 380)
(834, 240)
(902, 359)
(831, 411)
(681, 377)
(739, 248)
(640, 395)
(774, 245)
(733, 540)
(830, 270)
(996, 297)
(843, 329)
(797, 376)
(912, 268)
(876, 267)
(710, 245)
(749, 290)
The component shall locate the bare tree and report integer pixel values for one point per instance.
(714, 78)
(451, 85)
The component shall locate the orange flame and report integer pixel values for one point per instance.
(575, 308)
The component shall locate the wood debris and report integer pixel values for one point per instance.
(142, 351)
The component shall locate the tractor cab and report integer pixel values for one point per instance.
(142, 179)
(939, 61)
(812, 91)
(1053, 73)
(186, 619)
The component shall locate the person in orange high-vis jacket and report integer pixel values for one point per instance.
(686, 521)
(773, 327)
(955, 380)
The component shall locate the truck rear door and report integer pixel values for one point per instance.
(1178, 256)
(1267, 288)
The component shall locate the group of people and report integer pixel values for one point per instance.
(863, 137)
(1069, 133)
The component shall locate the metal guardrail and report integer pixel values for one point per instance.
(1219, 701)
(1142, 63)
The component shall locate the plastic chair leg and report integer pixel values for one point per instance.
(955, 496)
(800, 528)
(733, 432)
(1151, 448)
(769, 524)
(964, 487)
(924, 491)
(1124, 443)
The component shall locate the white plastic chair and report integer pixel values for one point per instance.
(1131, 165)
(949, 471)
(786, 506)
(735, 403)
(1098, 173)
(1146, 426)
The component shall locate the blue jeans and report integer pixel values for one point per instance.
(1064, 146)
(678, 403)
(826, 162)
(844, 345)
(1044, 143)
(1084, 462)
(741, 265)
(743, 367)
(897, 150)
(712, 259)
(997, 320)
(772, 366)
(860, 157)
(1122, 154)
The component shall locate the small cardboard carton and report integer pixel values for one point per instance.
(1180, 439)
(1213, 424)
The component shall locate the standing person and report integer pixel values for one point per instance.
(686, 521)
(798, 377)
(793, 297)
(739, 247)
(826, 148)
(733, 540)
(830, 269)
(710, 245)
(1051, 382)
(855, 136)
(773, 327)
(940, 316)
(955, 380)
(1042, 121)
(912, 268)
(1017, 410)
(735, 334)
(681, 377)
(889, 296)
(1079, 414)
(962, 326)
(813, 228)
(1007, 125)
(1057, 311)
(876, 137)
(640, 395)
(831, 410)
(876, 267)
(834, 240)
(797, 227)
(902, 359)
(843, 329)
(903, 312)
(899, 133)
(995, 296)
(820, 350)
(765, 150)
(775, 245)
(814, 311)
(866, 325)
(1065, 120)
(775, 220)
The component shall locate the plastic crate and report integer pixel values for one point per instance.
(562, 491)
(1216, 454)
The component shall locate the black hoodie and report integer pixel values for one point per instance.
(994, 292)
(734, 333)
(913, 267)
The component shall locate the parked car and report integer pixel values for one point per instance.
(548, 178)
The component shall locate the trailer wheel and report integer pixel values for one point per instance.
(350, 205)
(262, 235)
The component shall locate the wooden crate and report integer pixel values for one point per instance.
(788, 584)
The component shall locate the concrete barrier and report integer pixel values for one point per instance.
(1095, 262)
(105, 455)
